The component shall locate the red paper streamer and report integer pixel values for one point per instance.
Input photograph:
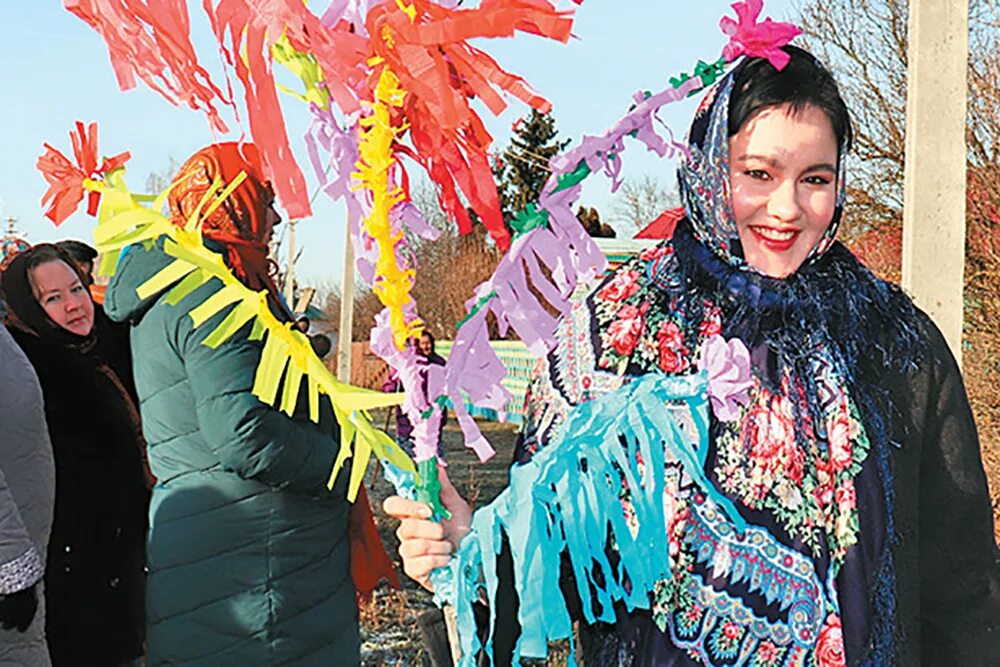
(150, 39)
(249, 29)
(65, 179)
(441, 73)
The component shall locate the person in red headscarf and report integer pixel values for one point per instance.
(250, 560)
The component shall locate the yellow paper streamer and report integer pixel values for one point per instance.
(287, 359)
(375, 150)
(306, 68)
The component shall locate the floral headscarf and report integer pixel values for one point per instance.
(703, 178)
(240, 224)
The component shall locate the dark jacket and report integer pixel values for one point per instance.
(94, 579)
(947, 567)
(249, 561)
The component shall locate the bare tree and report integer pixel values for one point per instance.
(640, 201)
(865, 43)
(449, 268)
(157, 181)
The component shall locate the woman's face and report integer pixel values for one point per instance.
(783, 170)
(426, 346)
(271, 220)
(64, 298)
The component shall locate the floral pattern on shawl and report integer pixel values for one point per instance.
(768, 459)
(629, 326)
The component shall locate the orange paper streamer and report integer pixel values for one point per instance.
(426, 46)
(65, 179)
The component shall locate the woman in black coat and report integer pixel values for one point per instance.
(94, 578)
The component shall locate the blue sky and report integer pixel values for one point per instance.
(56, 71)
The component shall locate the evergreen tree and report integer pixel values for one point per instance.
(522, 169)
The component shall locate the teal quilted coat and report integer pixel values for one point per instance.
(249, 562)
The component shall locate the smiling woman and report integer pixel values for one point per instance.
(837, 506)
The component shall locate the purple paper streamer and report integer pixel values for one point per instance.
(409, 216)
(603, 152)
(352, 11)
(563, 248)
(727, 365)
(421, 381)
(475, 370)
(335, 178)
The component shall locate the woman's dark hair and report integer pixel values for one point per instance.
(43, 253)
(803, 82)
(78, 250)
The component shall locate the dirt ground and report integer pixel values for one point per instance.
(389, 632)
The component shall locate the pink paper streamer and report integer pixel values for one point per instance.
(760, 40)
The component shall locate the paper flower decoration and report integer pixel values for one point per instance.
(727, 365)
(760, 40)
(66, 179)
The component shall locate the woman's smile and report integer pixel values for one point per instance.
(776, 240)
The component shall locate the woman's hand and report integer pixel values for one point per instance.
(424, 544)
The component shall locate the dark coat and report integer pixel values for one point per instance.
(249, 561)
(94, 579)
(947, 566)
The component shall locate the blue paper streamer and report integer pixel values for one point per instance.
(567, 500)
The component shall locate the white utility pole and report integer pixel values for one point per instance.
(934, 204)
(290, 272)
(346, 312)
